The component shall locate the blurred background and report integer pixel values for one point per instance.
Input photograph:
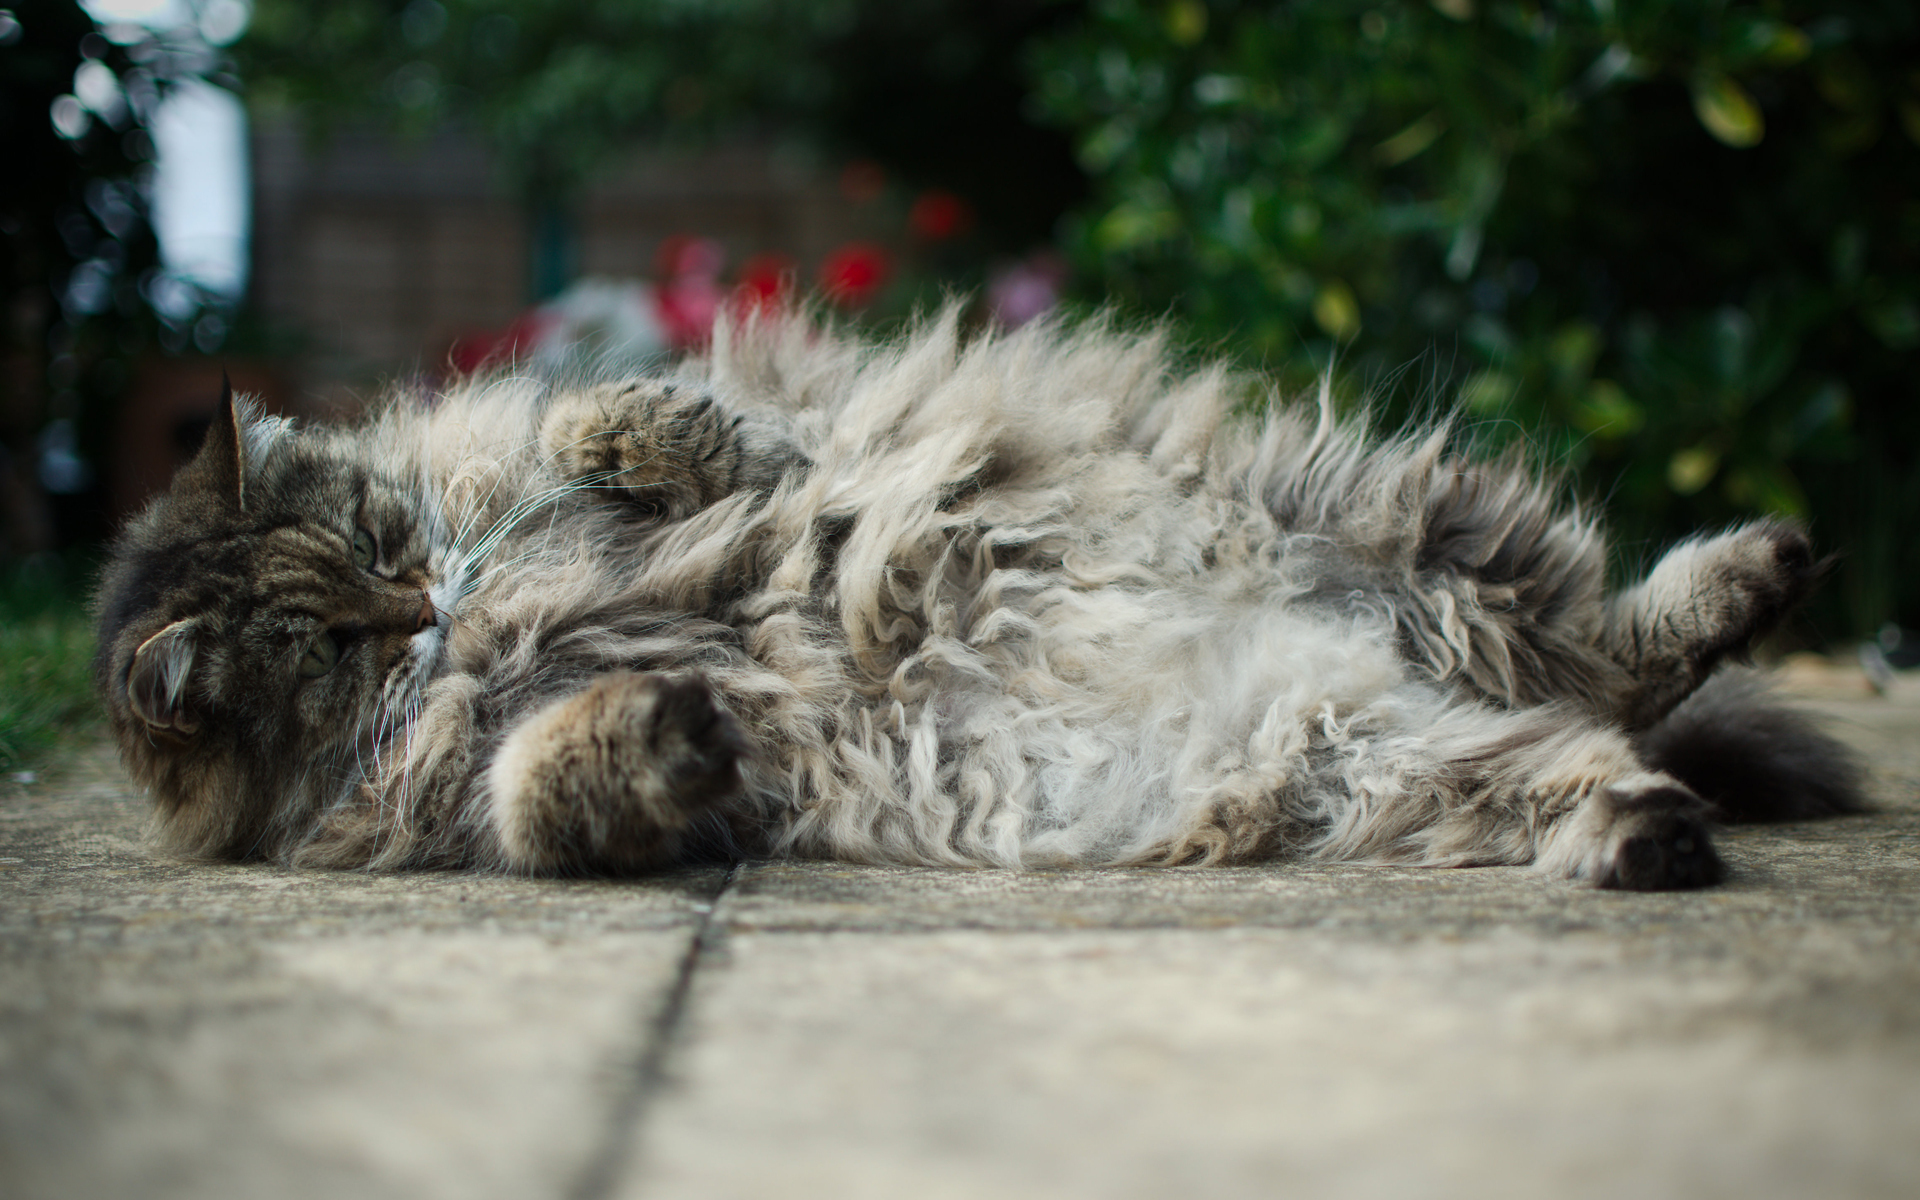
(1674, 248)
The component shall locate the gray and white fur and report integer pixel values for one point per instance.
(1023, 599)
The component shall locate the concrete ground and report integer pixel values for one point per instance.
(172, 1029)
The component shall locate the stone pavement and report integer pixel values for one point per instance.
(801, 1030)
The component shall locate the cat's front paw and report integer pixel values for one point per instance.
(609, 778)
(666, 449)
(694, 746)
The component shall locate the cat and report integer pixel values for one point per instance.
(1035, 598)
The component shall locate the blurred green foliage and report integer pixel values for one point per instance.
(556, 87)
(1673, 246)
(1676, 246)
(46, 659)
(559, 88)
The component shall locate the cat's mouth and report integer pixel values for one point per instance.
(405, 691)
(428, 646)
(427, 649)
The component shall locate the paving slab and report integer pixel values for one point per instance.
(1315, 1030)
(809, 1029)
(1264, 1061)
(175, 1029)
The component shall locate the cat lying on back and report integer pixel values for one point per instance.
(1034, 598)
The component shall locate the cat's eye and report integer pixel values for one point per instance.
(321, 656)
(365, 550)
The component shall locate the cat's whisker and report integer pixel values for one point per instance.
(503, 567)
(478, 506)
(511, 519)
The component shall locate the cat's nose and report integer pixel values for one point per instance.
(427, 616)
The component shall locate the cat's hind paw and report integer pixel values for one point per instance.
(1705, 600)
(1662, 846)
(1644, 834)
(1756, 574)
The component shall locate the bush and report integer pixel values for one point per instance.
(1676, 246)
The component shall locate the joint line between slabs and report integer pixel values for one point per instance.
(624, 1132)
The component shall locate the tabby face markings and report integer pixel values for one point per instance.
(344, 628)
(323, 651)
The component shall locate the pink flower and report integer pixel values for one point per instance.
(1019, 292)
(690, 293)
(686, 308)
(683, 255)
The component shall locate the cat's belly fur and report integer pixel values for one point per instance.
(1110, 725)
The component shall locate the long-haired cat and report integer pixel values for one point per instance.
(1011, 599)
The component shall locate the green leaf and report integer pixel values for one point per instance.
(1410, 141)
(1789, 46)
(1607, 412)
(1488, 393)
(1336, 311)
(1895, 322)
(1572, 352)
(1772, 42)
(1768, 487)
(1186, 22)
(1690, 470)
(1131, 225)
(1728, 112)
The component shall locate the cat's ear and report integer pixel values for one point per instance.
(218, 470)
(157, 680)
(237, 445)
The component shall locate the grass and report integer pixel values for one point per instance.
(46, 658)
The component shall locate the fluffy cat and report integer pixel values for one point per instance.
(1014, 599)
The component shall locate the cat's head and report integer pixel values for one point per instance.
(263, 626)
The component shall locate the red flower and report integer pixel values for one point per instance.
(765, 280)
(853, 273)
(937, 215)
(499, 347)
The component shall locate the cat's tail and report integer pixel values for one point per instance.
(1753, 756)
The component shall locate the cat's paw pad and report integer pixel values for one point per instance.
(1661, 843)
